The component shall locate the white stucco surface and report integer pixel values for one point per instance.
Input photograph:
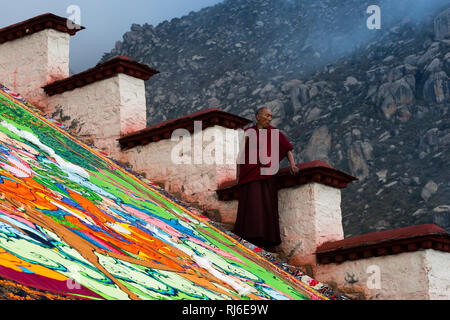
(309, 216)
(92, 110)
(28, 63)
(419, 275)
(104, 110)
(196, 181)
(438, 267)
(133, 111)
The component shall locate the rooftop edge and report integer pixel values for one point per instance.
(36, 24)
(408, 239)
(100, 72)
(209, 117)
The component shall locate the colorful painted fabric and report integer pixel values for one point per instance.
(75, 224)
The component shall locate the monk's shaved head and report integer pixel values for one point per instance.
(260, 110)
(263, 117)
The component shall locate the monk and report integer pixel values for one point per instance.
(263, 148)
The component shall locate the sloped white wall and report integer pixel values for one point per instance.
(103, 110)
(310, 215)
(438, 270)
(29, 63)
(195, 183)
(418, 275)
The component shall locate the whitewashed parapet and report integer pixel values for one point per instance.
(194, 170)
(98, 105)
(410, 263)
(310, 215)
(34, 53)
(102, 103)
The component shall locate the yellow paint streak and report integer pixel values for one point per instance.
(9, 260)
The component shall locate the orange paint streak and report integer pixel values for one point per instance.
(11, 261)
(7, 116)
(142, 244)
(90, 207)
(143, 251)
(156, 244)
(25, 195)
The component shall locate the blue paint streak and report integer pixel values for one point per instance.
(25, 270)
(87, 238)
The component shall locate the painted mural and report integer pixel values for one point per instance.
(75, 225)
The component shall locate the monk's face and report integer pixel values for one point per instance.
(264, 118)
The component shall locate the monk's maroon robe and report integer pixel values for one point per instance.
(257, 218)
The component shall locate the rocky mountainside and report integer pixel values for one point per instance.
(374, 103)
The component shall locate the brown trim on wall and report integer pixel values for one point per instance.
(409, 239)
(36, 24)
(100, 72)
(315, 171)
(209, 117)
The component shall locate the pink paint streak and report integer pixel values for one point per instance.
(172, 231)
(44, 283)
(20, 219)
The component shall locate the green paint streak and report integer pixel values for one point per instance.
(267, 276)
(141, 294)
(63, 221)
(144, 204)
(88, 160)
(44, 134)
(118, 177)
(47, 183)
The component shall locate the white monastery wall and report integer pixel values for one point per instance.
(309, 216)
(29, 63)
(418, 275)
(194, 182)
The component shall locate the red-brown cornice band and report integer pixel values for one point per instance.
(164, 130)
(315, 171)
(102, 71)
(36, 24)
(384, 243)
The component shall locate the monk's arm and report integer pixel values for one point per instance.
(290, 157)
(294, 168)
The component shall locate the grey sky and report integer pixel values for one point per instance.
(105, 20)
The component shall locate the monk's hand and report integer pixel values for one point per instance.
(294, 170)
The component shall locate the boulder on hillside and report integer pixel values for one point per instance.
(392, 95)
(319, 145)
(429, 190)
(442, 25)
(437, 87)
(441, 216)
